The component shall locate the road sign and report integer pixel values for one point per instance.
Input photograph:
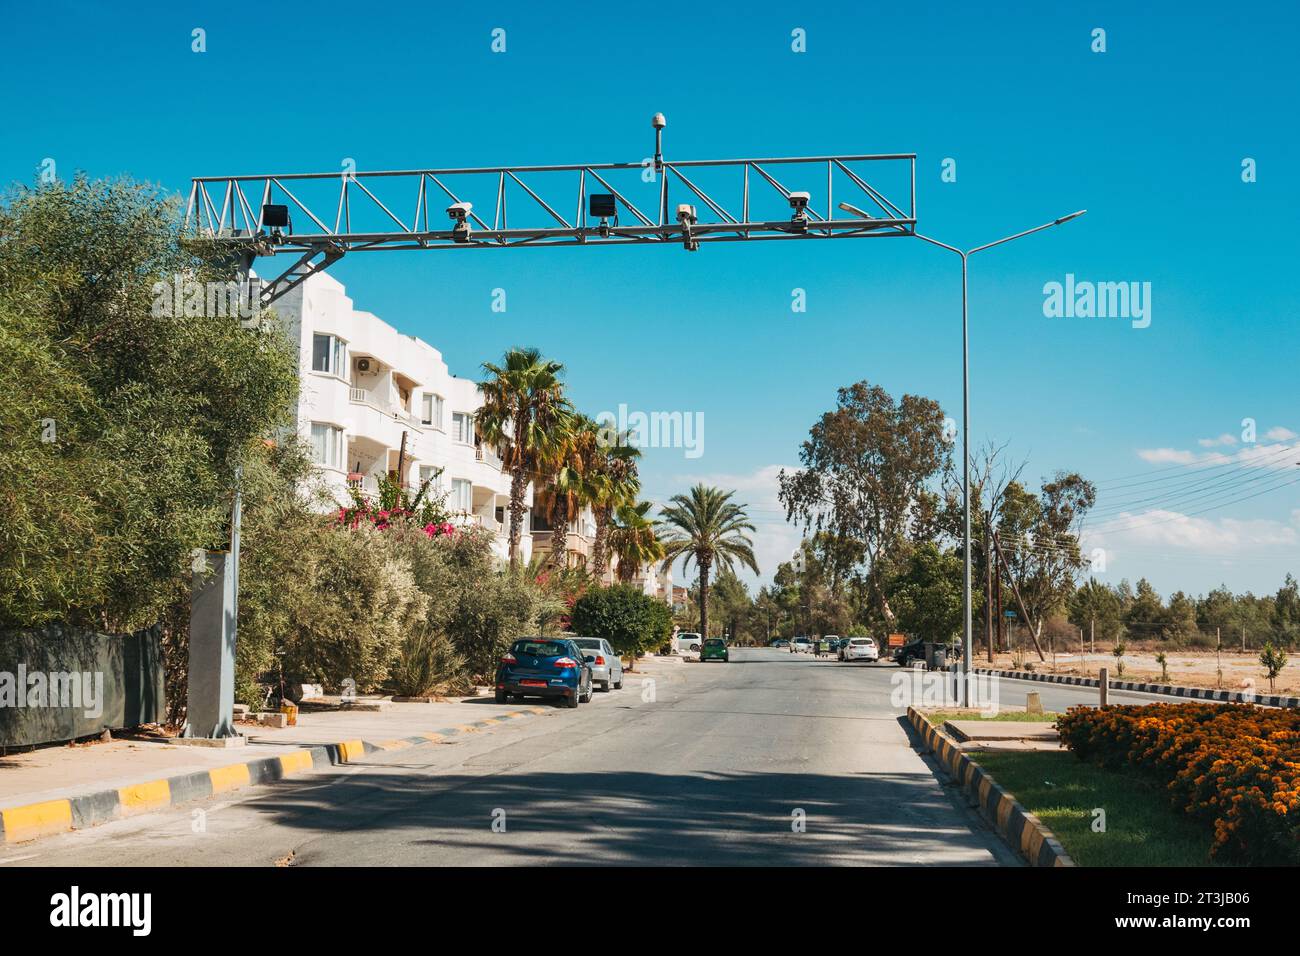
(897, 640)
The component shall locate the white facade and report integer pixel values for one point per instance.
(364, 385)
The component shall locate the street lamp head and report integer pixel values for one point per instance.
(658, 121)
(853, 210)
(1073, 215)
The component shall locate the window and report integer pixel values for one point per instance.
(462, 495)
(462, 427)
(327, 445)
(329, 353)
(431, 474)
(432, 412)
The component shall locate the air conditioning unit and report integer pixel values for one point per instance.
(363, 365)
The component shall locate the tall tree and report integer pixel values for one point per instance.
(706, 527)
(633, 540)
(866, 464)
(525, 414)
(614, 482)
(569, 473)
(1039, 535)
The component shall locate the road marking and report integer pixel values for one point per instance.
(229, 778)
(36, 819)
(144, 797)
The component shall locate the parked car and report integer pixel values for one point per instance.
(545, 667)
(607, 668)
(860, 649)
(689, 641)
(781, 642)
(715, 649)
(803, 645)
(832, 642)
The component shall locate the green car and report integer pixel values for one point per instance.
(714, 649)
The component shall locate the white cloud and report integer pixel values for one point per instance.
(1280, 434)
(1210, 537)
(1277, 455)
(1224, 439)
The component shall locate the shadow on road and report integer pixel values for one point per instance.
(632, 818)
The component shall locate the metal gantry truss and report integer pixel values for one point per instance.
(332, 214)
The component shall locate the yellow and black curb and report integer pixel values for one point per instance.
(1145, 687)
(31, 821)
(1023, 831)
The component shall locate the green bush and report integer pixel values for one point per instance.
(631, 621)
(428, 664)
(122, 428)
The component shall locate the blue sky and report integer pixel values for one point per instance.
(1149, 136)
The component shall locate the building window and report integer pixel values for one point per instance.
(432, 412)
(327, 445)
(431, 474)
(329, 353)
(462, 427)
(462, 495)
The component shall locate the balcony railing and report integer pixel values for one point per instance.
(362, 397)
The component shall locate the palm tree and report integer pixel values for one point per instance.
(569, 469)
(524, 412)
(633, 539)
(614, 482)
(708, 528)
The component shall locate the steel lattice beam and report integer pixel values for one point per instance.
(332, 214)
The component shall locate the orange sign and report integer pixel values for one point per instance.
(897, 640)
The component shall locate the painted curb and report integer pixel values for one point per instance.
(34, 820)
(1019, 828)
(1171, 690)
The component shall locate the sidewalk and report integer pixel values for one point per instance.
(58, 788)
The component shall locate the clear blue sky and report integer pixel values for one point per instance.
(1149, 136)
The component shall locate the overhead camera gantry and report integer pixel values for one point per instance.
(269, 215)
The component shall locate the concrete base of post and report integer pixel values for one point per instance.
(210, 711)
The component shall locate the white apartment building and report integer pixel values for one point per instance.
(366, 386)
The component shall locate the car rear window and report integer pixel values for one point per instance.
(861, 641)
(714, 641)
(591, 642)
(540, 648)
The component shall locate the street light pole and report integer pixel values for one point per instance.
(967, 641)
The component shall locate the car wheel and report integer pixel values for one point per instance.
(606, 686)
(586, 698)
(618, 685)
(502, 697)
(572, 700)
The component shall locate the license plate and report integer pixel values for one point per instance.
(533, 683)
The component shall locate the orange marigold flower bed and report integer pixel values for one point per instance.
(1234, 766)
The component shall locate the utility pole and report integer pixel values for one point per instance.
(988, 588)
(1092, 633)
(1020, 602)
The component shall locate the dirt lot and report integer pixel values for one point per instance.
(1194, 668)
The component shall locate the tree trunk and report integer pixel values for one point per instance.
(704, 601)
(518, 487)
(600, 549)
(559, 531)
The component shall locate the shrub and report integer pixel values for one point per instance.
(428, 664)
(1234, 766)
(1273, 660)
(632, 622)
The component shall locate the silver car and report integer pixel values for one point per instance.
(607, 670)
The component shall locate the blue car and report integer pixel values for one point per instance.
(545, 667)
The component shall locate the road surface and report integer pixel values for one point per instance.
(771, 759)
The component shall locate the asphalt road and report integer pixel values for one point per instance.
(772, 759)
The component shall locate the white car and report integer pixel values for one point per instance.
(689, 641)
(860, 649)
(802, 644)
